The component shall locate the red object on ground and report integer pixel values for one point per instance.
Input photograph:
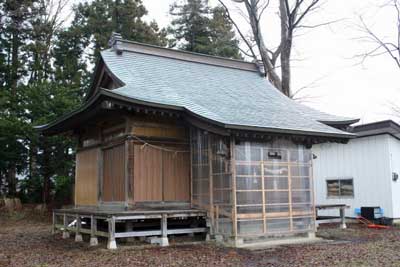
(370, 224)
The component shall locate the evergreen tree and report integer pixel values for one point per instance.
(191, 26)
(223, 38)
(99, 18)
(199, 28)
(16, 26)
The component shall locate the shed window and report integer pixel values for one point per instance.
(340, 187)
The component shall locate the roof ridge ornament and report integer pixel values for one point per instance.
(260, 66)
(112, 43)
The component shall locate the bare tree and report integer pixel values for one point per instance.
(292, 14)
(382, 46)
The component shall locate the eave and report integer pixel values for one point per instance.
(66, 122)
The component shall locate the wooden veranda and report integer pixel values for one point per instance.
(157, 223)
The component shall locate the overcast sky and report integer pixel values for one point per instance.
(325, 55)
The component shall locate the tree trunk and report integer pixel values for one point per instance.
(286, 48)
(255, 26)
(12, 181)
(14, 61)
(46, 171)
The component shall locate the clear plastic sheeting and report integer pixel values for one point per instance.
(212, 178)
(273, 188)
(200, 169)
(221, 185)
(252, 189)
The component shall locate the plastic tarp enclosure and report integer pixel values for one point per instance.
(252, 189)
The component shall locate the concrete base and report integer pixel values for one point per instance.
(162, 241)
(93, 241)
(65, 235)
(219, 238)
(112, 244)
(78, 238)
(311, 235)
(281, 242)
(238, 242)
(208, 237)
(343, 226)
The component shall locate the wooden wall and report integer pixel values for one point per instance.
(176, 175)
(113, 187)
(126, 171)
(147, 178)
(160, 175)
(86, 179)
(156, 127)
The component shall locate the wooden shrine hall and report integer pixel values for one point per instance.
(174, 143)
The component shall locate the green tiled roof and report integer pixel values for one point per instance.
(233, 97)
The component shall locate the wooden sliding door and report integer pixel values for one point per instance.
(147, 174)
(176, 173)
(114, 174)
(160, 175)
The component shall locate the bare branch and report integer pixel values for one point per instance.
(305, 12)
(382, 44)
(319, 25)
(245, 40)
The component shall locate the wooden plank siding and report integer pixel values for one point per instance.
(86, 180)
(176, 171)
(147, 184)
(114, 174)
(160, 175)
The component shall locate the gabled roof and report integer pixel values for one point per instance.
(229, 93)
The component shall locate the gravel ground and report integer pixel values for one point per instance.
(25, 240)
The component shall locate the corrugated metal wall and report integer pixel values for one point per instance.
(394, 148)
(367, 161)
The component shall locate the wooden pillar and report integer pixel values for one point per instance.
(342, 218)
(290, 192)
(65, 230)
(93, 230)
(263, 196)
(211, 186)
(112, 244)
(233, 171)
(78, 236)
(191, 165)
(164, 230)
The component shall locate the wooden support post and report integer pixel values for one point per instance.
(233, 171)
(129, 228)
(164, 231)
(112, 244)
(211, 186)
(65, 230)
(78, 236)
(263, 198)
(217, 219)
(93, 230)
(191, 165)
(290, 192)
(313, 194)
(342, 218)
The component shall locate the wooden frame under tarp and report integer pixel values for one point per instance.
(252, 189)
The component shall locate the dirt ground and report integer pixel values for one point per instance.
(26, 240)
